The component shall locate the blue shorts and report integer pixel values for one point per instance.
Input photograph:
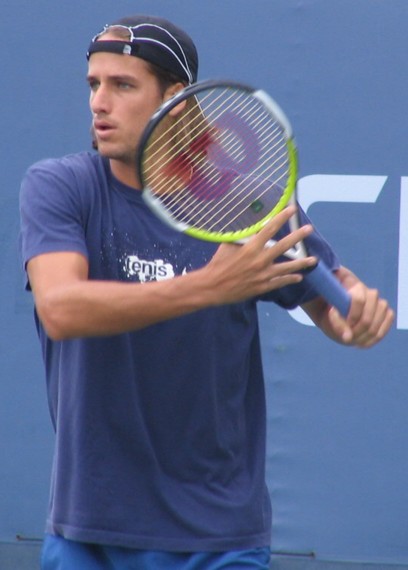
(62, 554)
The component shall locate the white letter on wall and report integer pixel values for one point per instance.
(402, 315)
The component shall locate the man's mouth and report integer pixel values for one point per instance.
(102, 128)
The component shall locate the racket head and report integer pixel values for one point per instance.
(218, 160)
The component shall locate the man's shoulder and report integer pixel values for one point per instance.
(78, 163)
(74, 178)
(73, 173)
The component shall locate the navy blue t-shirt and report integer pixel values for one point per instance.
(160, 433)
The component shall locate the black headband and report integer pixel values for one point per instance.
(154, 40)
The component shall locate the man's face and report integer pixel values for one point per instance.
(124, 95)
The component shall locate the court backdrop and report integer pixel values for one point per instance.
(337, 454)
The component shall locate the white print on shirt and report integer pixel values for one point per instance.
(146, 271)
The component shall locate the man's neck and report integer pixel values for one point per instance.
(125, 173)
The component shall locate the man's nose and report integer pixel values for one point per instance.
(100, 100)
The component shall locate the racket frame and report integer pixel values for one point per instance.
(320, 277)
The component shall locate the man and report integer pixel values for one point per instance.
(150, 339)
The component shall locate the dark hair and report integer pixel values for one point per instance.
(165, 78)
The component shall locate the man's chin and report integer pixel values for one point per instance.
(107, 151)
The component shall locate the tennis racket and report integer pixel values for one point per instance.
(217, 161)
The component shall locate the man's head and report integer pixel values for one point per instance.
(134, 65)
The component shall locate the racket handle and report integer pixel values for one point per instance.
(325, 283)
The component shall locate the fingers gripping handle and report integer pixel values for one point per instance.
(326, 284)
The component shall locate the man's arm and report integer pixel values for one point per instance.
(70, 305)
(369, 320)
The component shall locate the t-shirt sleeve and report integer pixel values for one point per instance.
(294, 295)
(51, 212)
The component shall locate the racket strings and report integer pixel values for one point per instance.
(236, 197)
(242, 195)
(190, 131)
(188, 207)
(231, 149)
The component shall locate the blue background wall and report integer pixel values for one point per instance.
(337, 456)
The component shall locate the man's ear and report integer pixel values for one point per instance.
(170, 92)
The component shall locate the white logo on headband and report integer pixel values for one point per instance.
(127, 50)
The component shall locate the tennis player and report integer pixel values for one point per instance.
(150, 340)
